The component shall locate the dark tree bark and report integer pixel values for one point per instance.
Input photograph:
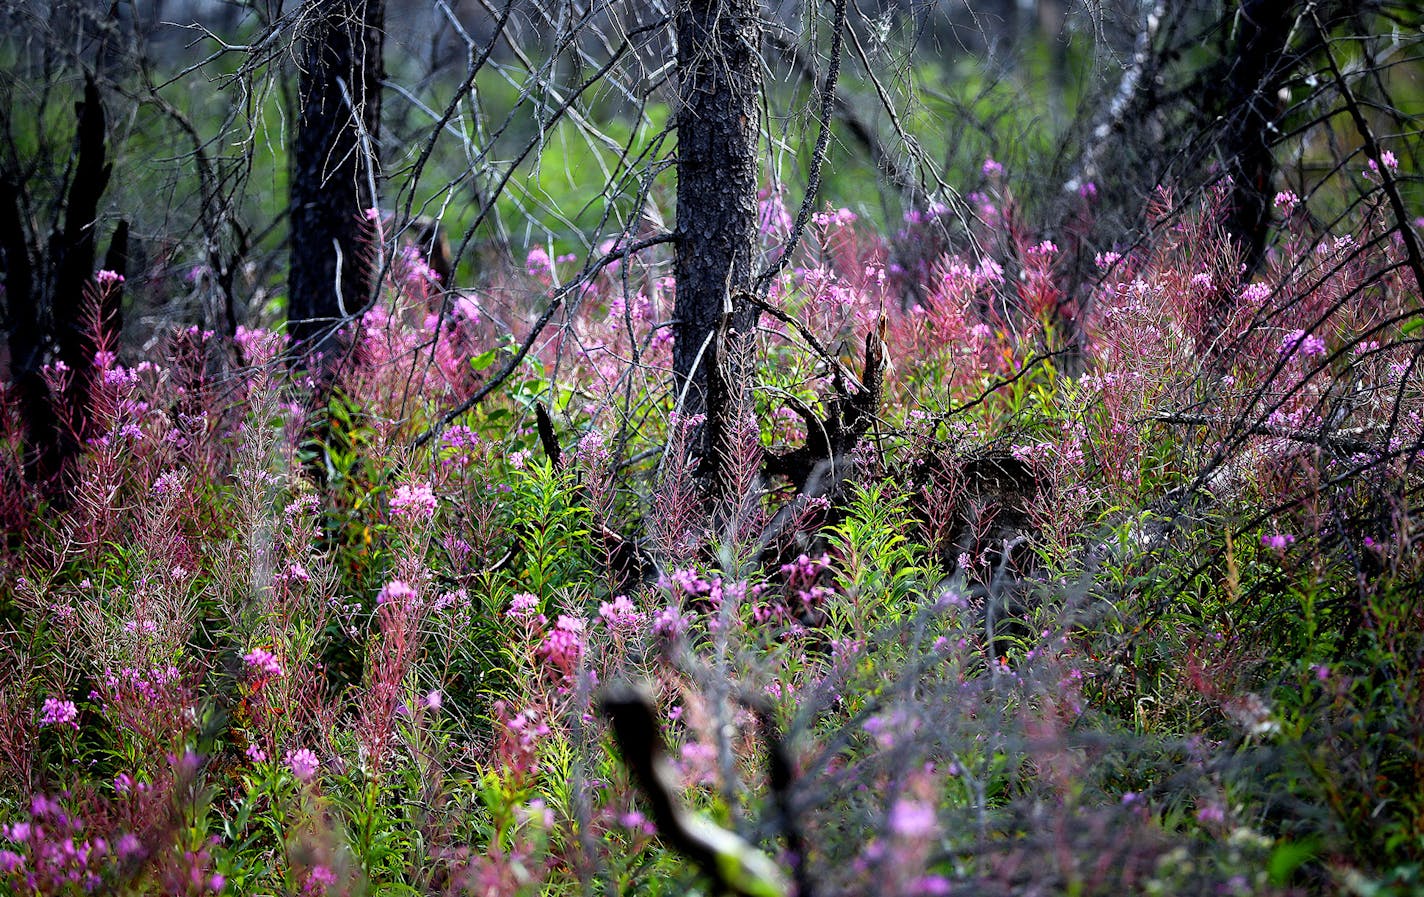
(45, 292)
(1255, 72)
(26, 337)
(719, 70)
(116, 259)
(335, 165)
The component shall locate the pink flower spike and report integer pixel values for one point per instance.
(56, 712)
(523, 606)
(414, 501)
(1277, 541)
(106, 277)
(303, 764)
(262, 663)
(395, 592)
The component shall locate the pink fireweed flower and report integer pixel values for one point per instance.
(523, 606)
(319, 880)
(1211, 814)
(1256, 293)
(303, 764)
(1308, 344)
(669, 623)
(538, 263)
(620, 613)
(841, 217)
(1278, 541)
(262, 663)
(414, 501)
(56, 712)
(912, 819)
(992, 168)
(107, 277)
(563, 646)
(1388, 159)
(396, 592)
(1286, 201)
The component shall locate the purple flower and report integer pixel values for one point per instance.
(1278, 541)
(414, 501)
(319, 879)
(912, 819)
(303, 764)
(523, 606)
(619, 613)
(1211, 814)
(106, 276)
(396, 592)
(538, 263)
(1389, 160)
(262, 663)
(1307, 344)
(669, 623)
(56, 712)
(992, 168)
(563, 646)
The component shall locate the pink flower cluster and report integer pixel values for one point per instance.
(524, 607)
(1306, 343)
(396, 592)
(563, 645)
(262, 663)
(620, 614)
(414, 501)
(519, 737)
(319, 880)
(1389, 160)
(57, 712)
(303, 764)
(802, 577)
(53, 856)
(1277, 541)
(835, 218)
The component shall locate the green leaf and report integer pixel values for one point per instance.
(484, 359)
(1288, 857)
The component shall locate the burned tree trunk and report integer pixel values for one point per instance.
(1255, 72)
(47, 299)
(719, 70)
(335, 169)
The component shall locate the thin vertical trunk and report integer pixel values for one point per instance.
(1257, 70)
(719, 69)
(335, 165)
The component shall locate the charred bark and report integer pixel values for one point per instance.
(334, 172)
(719, 70)
(1255, 73)
(48, 313)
